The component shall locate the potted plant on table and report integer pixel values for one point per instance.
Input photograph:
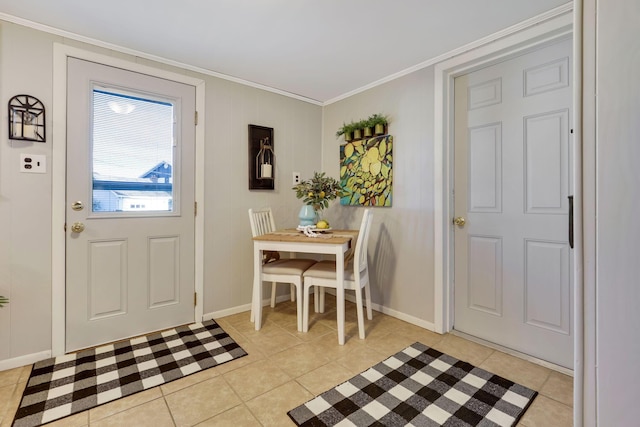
(316, 193)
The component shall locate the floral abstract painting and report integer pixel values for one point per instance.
(366, 172)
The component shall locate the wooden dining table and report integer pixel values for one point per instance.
(333, 242)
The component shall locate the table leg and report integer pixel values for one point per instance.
(340, 295)
(257, 287)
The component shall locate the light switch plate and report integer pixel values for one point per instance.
(33, 163)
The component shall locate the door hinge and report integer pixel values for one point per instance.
(195, 119)
(195, 208)
(195, 299)
(65, 227)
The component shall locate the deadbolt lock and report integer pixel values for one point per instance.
(77, 206)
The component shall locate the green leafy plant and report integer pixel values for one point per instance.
(341, 131)
(318, 191)
(3, 301)
(378, 119)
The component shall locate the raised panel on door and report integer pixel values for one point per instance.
(546, 77)
(485, 94)
(164, 271)
(485, 168)
(547, 162)
(547, 285)
(485, 274)
(107, 287)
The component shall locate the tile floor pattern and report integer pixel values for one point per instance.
(285, 368)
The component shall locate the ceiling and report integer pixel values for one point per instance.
(320, 50)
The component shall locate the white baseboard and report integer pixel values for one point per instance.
(240, 308)
(377, 307)
(397, 314)
(27, 359)
(405, 317)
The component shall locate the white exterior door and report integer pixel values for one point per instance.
(513, 263)
(130, 204)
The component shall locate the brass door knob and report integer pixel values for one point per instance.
(77, 227)
(459, 221)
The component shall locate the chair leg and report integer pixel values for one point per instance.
(321, 290)
(273, 294)
(293, 292)
(299, 304)
(253, 316)
(360, 312)
(305, 308)
(316, 301)
(367, 296)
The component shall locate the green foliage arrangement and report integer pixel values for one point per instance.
(370, 122)
(3, 301)
(318, 191)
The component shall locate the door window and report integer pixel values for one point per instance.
(132, 152)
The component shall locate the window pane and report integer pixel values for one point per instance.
(132, 153)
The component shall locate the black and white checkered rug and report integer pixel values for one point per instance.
(75, 382)
(418, 386)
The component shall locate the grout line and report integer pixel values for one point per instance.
(173, 420)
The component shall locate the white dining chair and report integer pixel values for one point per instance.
(277, 270)
(356, 277)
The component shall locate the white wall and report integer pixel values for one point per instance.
(25, 201)
(401, 246)
(618, 206)
(26, 66)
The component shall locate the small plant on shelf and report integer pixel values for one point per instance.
(379, 123)
(358, 127)
(368, 126)
(346, 130)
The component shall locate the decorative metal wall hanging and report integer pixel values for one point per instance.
(262, 159)
(26, 119)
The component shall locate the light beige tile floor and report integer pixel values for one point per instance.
(285, 368)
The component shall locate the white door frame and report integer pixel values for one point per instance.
(59, 172)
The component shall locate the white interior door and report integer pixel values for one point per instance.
(130, 204)
(513, 263)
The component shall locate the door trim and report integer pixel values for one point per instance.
(59, 168)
